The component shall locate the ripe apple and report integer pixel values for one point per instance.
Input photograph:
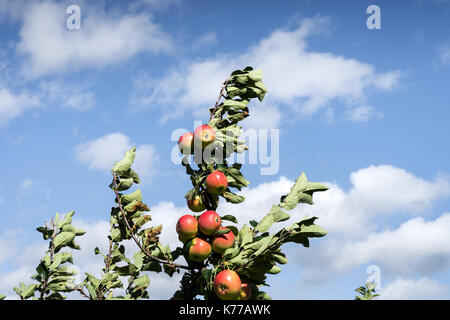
(227, 285)
(216, 183)
(208, 222)
(196, 204)
(246, 291)
(186, 143)
(204, 135)
(187, 227)
(222, 242)
(198, 250)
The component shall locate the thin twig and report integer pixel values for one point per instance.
(221, 94)
(138, 243)
(80, 290)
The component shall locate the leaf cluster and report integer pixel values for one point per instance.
(53, 275)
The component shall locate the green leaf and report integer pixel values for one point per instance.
(143, 281)
(278, 214)
(2, 296)
(315, 186)
(71, 228)
(63, 239)
(231, 253)
(91, 291)
(123, 184)
(305, 198)
(152, 266)
(263, 244)
(253, 223)
(46, 232)
(233, 198)
(245, 236)
(134, 196)
(67, 219)
(221, 231)
(138, 260)
(122, 166)
(56, 262)
(265, 224)
(115, 235)
(280, 258)
(274, 270)
(29, 291)
(136, 205)
(229, 217)
(139, 222)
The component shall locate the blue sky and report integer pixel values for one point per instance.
(365, 111)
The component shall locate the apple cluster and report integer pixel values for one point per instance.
(203, 235)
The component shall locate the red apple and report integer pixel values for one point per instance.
(196, 204)
(227, 285)
(187, 227)
(203, 136)
(246, 291)
(222, 242)
(198, 250)
(208, 222)
(186, 143)
(216, 183)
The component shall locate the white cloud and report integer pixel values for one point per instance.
(263, 117)
(417, 246)
(409, 289)
(103, 39)
(385, 188)
(444, 55)
(205, 40)
(295, 75)
(71, 96)
(13, 105)
(363, 114)
(101, 154)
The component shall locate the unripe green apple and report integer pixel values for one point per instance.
(222, 242)
(197, 250)
(196, 204)
(208, 222)
(187, 227)
(227, 285)
(216, 182)
(186, 143)
(204, 135)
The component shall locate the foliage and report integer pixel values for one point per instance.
(367, 292)
(53, 275)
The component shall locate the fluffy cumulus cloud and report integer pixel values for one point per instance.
(13, 105)
(103, 39)
(101, 153)
(297, 76)
(409, 289)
